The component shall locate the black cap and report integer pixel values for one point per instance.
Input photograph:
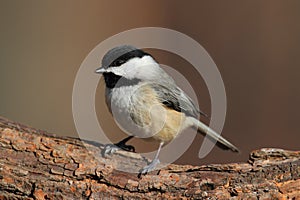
(121, 54)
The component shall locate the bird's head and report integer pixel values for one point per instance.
(128, 63)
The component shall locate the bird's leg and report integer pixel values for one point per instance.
(122, 144)
(153, 164)
(112, 148)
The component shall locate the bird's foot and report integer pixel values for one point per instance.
(149, 167)
(112, 148)
(109, 149)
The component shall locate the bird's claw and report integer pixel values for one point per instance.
(149, 167)
(112, 148)
(109, 149)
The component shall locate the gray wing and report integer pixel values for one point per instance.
(173, 97)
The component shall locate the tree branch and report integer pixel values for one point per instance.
(38, 165)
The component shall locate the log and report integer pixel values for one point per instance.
(38, 165)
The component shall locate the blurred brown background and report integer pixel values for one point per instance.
(255, 44)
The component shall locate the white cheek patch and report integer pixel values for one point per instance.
(116, 70)
(139, 67)
(136, 68)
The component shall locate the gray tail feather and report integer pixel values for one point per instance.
(221, 142)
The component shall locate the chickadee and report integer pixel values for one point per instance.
(147, 102)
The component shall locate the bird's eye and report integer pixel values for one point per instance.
(118, 62)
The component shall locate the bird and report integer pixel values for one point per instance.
(147, 103)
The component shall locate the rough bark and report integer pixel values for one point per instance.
(38, 165)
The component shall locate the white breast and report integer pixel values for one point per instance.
(120, 102)
(120, 98)
(138, 112)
